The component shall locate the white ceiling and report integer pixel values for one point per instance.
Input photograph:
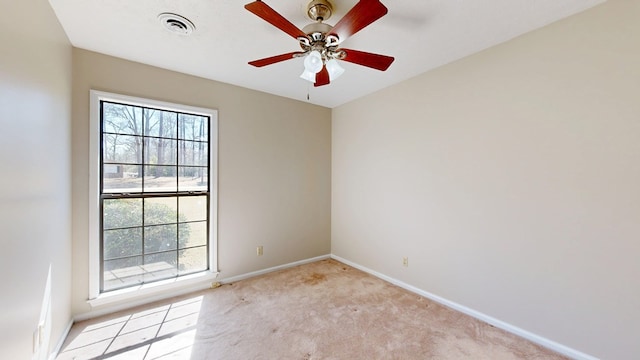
(421, 35)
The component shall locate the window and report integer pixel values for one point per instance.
(156, 191)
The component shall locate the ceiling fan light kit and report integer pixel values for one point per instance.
(320, 41)
(313, 62)
(334, 69)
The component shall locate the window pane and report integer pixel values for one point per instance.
(160, 266)
(193, 127)
(152, 162)
(161, 151)
(121, 149)
(122, 242)
(159, 178)
(193, 153)
(192, 178)
(192, 260)
(121, 213)
(192, 234)
(193, 208)
(162, 210)
(122, 272)
(159, 123)
(160, 238)
(121, 178)
(121, 119)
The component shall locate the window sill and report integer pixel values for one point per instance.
(145, 293)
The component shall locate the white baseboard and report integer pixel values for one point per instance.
(63, 337)
(542, 341)
(272, 269)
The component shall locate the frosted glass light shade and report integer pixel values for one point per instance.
(309, 76)
(313, 62)
(334, 69)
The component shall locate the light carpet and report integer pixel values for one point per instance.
(322, 310)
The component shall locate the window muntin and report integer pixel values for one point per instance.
(154, 194)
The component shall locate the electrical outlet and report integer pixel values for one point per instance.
(405, 261)
(259, 250)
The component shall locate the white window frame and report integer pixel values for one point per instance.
(169, 286)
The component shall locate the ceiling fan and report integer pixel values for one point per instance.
(320, 41)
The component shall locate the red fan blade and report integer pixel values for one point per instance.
(364, 13)
(274, 59)
(374, 61)
(272, 17)
(322, 78)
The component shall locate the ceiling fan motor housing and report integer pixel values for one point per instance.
(316, 28)
(318, 40)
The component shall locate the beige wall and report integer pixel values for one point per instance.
(35, 162)
(274, 165)
(511, 180)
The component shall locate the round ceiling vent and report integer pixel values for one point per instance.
(176, 24)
